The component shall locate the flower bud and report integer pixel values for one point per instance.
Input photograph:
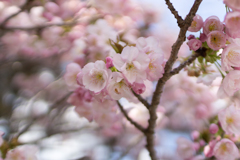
(213, 128)
(197, 24)
(139, 88)
(194, 44)
(109, 62)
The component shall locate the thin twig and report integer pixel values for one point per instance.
(138, 126)
(185, 63)
(180, 21)
(23, 7)
(141, 99)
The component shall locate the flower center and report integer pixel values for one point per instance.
(232, 55)
(130, 66)
(194, 24)
(212, 27)
(229, 120)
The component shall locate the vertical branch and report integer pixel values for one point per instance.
(167, 75)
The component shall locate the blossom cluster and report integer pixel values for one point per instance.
(102, 82)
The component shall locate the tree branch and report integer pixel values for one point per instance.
(23, 7)
(185, 63)
(166, 76)
(138, 126)
(180, 21)
(37, 27)
(141, 99)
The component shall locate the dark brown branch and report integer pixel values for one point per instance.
(37, 27)
(185, 63)
(22, 8)
(141, 99)
(166, 76)
(138, 126)
(180, 21)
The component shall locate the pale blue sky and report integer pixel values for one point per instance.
(207, 8)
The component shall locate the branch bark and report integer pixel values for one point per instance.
(166, 76)
(141, 99)
(180, 21)
(185, 63)
(138, 126)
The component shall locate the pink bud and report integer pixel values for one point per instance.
(52, 7)
(203, 37)
(197, 24)
(202, 142)
(213, 128)
(196, 146)
(191, 37)
(195, 135)
(194, 44)
(139, 88)
(109, 62)
(88, 97)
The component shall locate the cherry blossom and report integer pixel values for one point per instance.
(226, 150)
(229, 119)
(216, 40)
(197, 24)
(230, 57)
(132, 64)
(95, 76)
(118, 87)
(212, 23)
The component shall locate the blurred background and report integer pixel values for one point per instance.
(42, 38)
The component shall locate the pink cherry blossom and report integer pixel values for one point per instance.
(230, 57)
(118, 87)
(234, 4)
(216, 40)
(151, 47)
(208, 149)
(197, 24)
(185, 148)
(229, 119)
(191, 37)
(95, 76)
(231, 83)
(226, 150)
(194, 44)
(232, 20)
(70, 76)
(132, 64)
(212, 23)
(23, 152)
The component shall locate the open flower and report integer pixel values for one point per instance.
(95, 76)
(225, 150)
(234, 4)
(132, 64)
(216, 40)
(230, 57)
(212, 23)
(197, 24)
(229, 119)
(70, 76)
(118, 87)
(232, 20)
